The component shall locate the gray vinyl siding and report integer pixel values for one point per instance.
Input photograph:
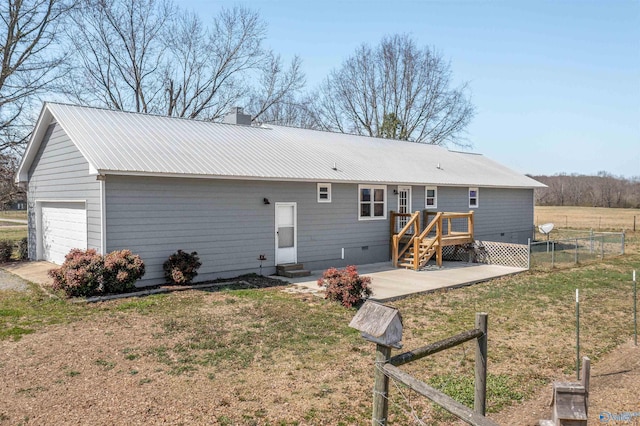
(503, 214)
(60, 172)
(229, 226)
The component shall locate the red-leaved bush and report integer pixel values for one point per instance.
(87, 273)
(345, 285)
(181, 267)
(121, 271)
(80, 274)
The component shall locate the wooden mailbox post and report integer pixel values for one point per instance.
(381, 325)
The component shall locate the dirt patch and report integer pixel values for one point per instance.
(139, 368)
(615, 389)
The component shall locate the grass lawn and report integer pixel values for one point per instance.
(12, 231)
(265, 357)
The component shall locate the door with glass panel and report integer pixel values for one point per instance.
(286, 233)
(404, 206)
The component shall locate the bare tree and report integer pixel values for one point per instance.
(9, 191)
(119, 45)
(151, 56)
(207, 66)
(273, 97)
(292, 110)
(30, 64)
(395, 90)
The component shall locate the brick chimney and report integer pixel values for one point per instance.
(237, 116)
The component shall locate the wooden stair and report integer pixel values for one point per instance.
(412, 241)
(292, 270)
(427, 249)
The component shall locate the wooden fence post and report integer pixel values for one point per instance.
(380, 387)
(480, 397)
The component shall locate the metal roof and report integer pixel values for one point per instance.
(115, 142)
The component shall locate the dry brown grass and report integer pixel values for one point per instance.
(596, 218)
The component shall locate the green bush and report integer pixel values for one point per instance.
(181, 267)
(87, 273)
(345, 286)
(6, 250)
(23, 249)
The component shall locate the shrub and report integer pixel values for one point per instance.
(6, 250)
(181, 267)
(121, 271)
(23, 249)
(87, 273)
(345, 285)
(81, 274)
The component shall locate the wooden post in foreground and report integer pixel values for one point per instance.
(381, 325)
(380, 387)
(480, 396)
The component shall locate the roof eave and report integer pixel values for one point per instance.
(106, 172)
(22, 175)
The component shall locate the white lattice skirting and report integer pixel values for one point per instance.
(491, 253)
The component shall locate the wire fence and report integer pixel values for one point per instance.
(573, 250)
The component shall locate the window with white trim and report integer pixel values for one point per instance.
(324, 192)
(372, 202)
(474, 197)
(430, 197)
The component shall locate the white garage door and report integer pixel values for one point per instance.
(64, 227)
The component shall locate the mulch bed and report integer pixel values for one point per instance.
(249, 281)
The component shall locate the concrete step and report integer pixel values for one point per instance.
(290, 267)
(296, 273)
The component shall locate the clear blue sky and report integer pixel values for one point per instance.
(556, 83)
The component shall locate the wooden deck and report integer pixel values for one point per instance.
(412, 247)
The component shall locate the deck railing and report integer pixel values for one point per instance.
(434, 236)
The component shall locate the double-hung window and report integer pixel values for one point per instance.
(324, 192)
(372, 202)
(474, 197)
(431, 197)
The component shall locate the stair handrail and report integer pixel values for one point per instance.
(397, 252)
(417, 240)
(435, 221)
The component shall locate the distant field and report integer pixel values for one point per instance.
(11, 230)
(596, 218)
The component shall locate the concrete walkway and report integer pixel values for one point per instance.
(36, 272)
(389, 283)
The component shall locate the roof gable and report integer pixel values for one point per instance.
(115, 142)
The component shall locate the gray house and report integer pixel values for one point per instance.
(112, 180)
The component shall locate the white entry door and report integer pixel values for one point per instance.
(286, 233)
(404, 205)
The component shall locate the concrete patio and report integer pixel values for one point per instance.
(388, 283)
(391, 283)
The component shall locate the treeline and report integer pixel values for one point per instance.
(159, 57)
(601, 190)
